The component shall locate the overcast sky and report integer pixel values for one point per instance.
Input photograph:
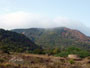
(45, 14)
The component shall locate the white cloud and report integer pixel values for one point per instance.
(28, 20)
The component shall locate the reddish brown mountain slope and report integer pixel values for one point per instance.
(75, 34)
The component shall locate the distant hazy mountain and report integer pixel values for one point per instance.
(56, 37)
(13, 41)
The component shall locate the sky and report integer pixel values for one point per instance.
(73, 14)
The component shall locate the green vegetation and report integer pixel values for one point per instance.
(73, 50)
(14, 42)
(18, 47)
(71, 61)
(59, 41)
(2, 60)
(63, 53)
(56, 37)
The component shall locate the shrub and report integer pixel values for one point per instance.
(73, 50)
(37, 51)
(7, 65)
(62, 54)
(71, 61)
(88, 57)
(1, 60)
(83, 54)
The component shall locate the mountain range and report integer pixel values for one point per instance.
(56, 37)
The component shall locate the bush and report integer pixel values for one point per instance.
(83, 54)
(62, 54)
(73, 50)
(71, 61)
(88, 57)
(37, 51)
(1, 60)
(7, 65)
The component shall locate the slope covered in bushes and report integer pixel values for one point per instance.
(14, 42)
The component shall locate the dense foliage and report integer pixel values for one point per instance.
(64, 52)
(73, 50)
(14, 42)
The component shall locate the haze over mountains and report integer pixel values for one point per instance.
(22, 19)
(56, 37)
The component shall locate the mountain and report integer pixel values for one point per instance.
(12, 41)
(56, 37)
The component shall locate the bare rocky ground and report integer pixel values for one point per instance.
(18, 60)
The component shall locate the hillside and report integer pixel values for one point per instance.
(14, 42)
(19, 60)
(56, 37)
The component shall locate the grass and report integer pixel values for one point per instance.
(71, 61)
(41, 61)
